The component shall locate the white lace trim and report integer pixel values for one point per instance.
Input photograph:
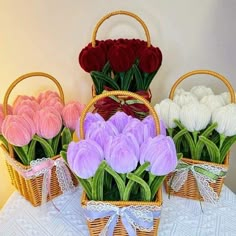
(140, 212)
(181, 174)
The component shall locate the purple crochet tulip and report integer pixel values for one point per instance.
(100, 132)
(122, 152)
(160, 151)
(120, 120)
(89, 119)
(138, 129)
(149, 121)
(84, 158)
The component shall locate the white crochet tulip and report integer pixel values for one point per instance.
(185, 98)
(201, 91)
(195, 116)
(169, 111)
(225, 117)
(178, 91)
(213, 101)
(226, 97)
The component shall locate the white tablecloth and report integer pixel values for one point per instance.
(180, 217)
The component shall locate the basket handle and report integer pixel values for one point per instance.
(208, 72)
(25, 76)
(122, 93)
(120, 13)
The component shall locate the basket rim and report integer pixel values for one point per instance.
(158, 201)
(192, 161)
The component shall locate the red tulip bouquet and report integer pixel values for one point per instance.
(38, 127)
(122, 64)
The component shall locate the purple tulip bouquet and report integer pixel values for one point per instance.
(38, 127)
(121, 158)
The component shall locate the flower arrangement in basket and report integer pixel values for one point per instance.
(202, 126)
(33, 131)
(121, 64)
(121, 164)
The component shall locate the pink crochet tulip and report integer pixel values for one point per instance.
(48, 122)
(9, 109)
(47, 95)
(71, 114)
(21, 98)
(17, 130)
(28, 107)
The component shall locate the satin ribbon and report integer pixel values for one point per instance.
(129, 105)
(132, 217)
(44, 167)
(203, 173)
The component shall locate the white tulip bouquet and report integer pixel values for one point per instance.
(202, 124)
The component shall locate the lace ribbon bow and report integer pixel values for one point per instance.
(44, 167)
(132, 217)
(203, 173)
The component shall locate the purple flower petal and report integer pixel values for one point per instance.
(84, 158)
(120, 120)
(161, 153)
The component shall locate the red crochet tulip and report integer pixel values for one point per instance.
(92, 58)
(121, 57)
(150, 59)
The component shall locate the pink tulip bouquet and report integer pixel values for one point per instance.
(121, 158)
(38, 127)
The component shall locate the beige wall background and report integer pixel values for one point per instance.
(48, 35)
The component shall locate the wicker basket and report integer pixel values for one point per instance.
(108, 106)
(190, 188)
(96, 226)
(31, 189)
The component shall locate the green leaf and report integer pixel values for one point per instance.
(98, 180)
(188, 138)
(21, 154)
(66, 136)
(138, 78)
(98, 84)
(4, 141)
(46, 147)
(119, 182)
(144, 185)
(156, 184)
(86, 186)
(63, 154)
(105, 78)
(179, 135)
(107, 69)
(147, 79)
(229, 141)
(55, 142)
(131, 183)
(127, 79)
(200, 144)
(212, 149)
(31, 150)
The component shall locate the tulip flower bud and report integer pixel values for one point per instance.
(201, 91)
(160, 151)
(169, 111)
(213, 101)
(195, 116)
(71, 114)
(122, 153)
(48, 122)
(17, 130)
(84, 158)
(225, 117)
(185, 98)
